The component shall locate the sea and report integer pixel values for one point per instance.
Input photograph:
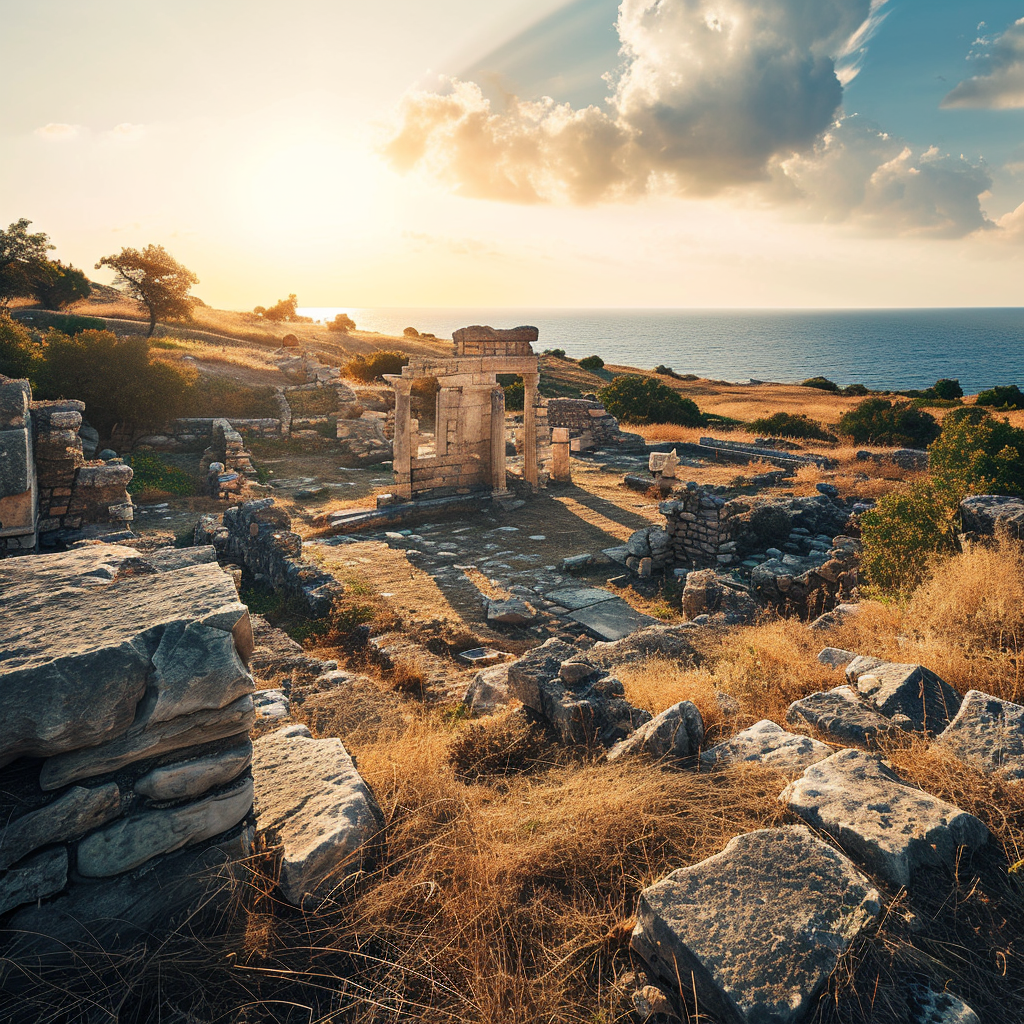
(884, 349)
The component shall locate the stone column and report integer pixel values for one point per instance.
(530, 382)
(561, 471)
(403, 445)
(499, 484)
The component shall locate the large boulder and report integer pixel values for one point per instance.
(982, 514)
(706, 593)
(757, 929)
(488, 691)
(987, 733)
(311, 801)
(891, 826)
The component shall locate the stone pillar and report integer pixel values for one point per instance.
(561, 471)
(498, 482)
(18, 498)
(403, 445)
(530, 382)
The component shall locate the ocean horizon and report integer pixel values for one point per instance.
(881, 348)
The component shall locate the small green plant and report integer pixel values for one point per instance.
(591, 364)
(784, 424)
(1007, 396)
(821, 383)
(557, 353)
(645, 400)
(376, 364)
(666, 371)
(855, 391)
(310, 630)
(185, 538)
(948, 389)
(515, 395)
(150, 473)
(881, 421)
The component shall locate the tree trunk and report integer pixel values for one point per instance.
(152, 322)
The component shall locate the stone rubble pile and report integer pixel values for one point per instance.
(127, 706)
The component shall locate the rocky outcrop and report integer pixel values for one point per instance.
(127, 702)
(889, 825)
(708, 924)
(312, 802)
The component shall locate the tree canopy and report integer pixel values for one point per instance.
(156, 279)
(58, 286)
(22, 261)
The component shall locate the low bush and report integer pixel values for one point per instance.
(556, 353)
(976, 454)
(821, 383)
(1002, 397)
(901, 534)
(67, 323)
(948, 389)
(342, 324)
(19, 356)
(376, 364)
(411, 332)
(591, 364)
(666, 371)
(785, 424)
(643, 400)
(855, 391)
(152, 474)
(515, 396)
(881, 421)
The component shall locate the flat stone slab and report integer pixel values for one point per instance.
(841, 714)
(988, 733)
(86, 632)
(888, 824)
(612, 619)
(39, 876)
(768, 744)
(758, 927)
(575, 598)
(311, 800)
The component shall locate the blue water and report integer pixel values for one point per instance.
(884, 349)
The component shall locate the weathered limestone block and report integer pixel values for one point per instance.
(39, 876)
(768, 744)
(841, 714)
(912, 691)
(925, 1006)
(15, 400)
(312, 801)
(758, 928)
(677, 733)
(81, 627)
(511, 612)
(836, 657)
(132, 841)
(988, 733)
(983, 514)
(892, 827)
(109, 475)
(489, 690)
(69, 816)
(15, 462)
(186, 780)
(188, 731)
(674, 642)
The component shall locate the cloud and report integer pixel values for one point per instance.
(55, 130)
(127, 130)
(859, 173)
(712, 96)
(1003, 87)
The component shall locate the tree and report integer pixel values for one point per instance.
(645, 400)
(18, 356)
(58, 286)
(343, 323)
(22, 261)
(156, 279)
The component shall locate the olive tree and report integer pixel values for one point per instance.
(22, 261)
(156, 279)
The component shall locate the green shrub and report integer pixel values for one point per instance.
(976, 454)
(592, 364)
(1002, 397)
(515, 396)
(557, 353)
(58, 286)
(18, 355)
(152, 474)
(67, 323)
(342, 323)
(784, 424)
(880, 421)
(376, 364)
(666, 371)
(855, 391)
(901, 533)
(642, 400)
(821, 383)
(948, 389)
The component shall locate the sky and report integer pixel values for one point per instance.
(648, 153)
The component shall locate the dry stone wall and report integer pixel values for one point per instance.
(590, 425)
(127, 707)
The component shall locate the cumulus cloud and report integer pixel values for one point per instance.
(1003, 87)
(711, 96)
(56, 130)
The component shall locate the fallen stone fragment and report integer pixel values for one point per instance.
(912, 691)
(674, 642)
(652, 1006)
(511, 612)
(888, 824)
(69, 816)
(768, 744)
(186, 780)
(860, 665)
(836, 657)
(756, 929)
(272, 704)
(925, 1006)
(987, 733)
(39, 876)
(835, 617)
(612, 620)
(488, 692)
(132, 841)
(311, 800)
(677, 732)
(842, 715)
(983, 514)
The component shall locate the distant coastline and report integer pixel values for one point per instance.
(883, 349)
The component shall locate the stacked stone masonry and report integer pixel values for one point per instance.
(127, 707)
(588, 422)
(48, 491)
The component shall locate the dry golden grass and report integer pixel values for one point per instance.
(244, 354)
